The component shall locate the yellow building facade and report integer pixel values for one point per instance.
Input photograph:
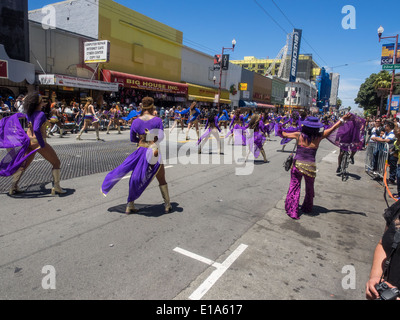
(138, 44)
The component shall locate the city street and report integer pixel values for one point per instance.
(227, 238)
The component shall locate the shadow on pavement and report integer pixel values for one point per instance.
(317, 210)
(147, 210)
(39, 191)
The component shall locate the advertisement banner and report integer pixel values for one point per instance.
(388, 54)
(394, 106)
(225, 62)
(295, 54)
(217, 62)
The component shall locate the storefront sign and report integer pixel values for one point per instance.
(72, 82)
(143, 83)
(97, 51)
(242, 86)
(3, 69)
(47, 79)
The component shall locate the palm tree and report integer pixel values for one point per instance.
(382, 86)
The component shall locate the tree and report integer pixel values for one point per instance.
(338, 103)
(382, 85)
(367, 96)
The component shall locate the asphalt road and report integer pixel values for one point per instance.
(227, 237)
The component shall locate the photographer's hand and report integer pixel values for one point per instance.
(370, 291)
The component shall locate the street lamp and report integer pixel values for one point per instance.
(380, 32)
(220, 72)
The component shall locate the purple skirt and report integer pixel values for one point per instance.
(256, 145)
(141, 163)
(239, 136)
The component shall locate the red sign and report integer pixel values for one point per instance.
(143, 83)
(3, 69)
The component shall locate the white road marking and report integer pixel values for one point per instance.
(216, 274)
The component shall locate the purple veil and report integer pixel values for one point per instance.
(16, 141)
(350, 135)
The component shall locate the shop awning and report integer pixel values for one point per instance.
(263, 105)
(144, 83)
(247, 104)
(15, 70)
(208, 94)
(73, 82)
(207, 99)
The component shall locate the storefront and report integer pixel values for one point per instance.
(206, 96)
(68, 89)
(134, 88)
(15, 76)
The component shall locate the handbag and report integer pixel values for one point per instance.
(289, 161)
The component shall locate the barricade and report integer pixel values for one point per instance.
(377, 154)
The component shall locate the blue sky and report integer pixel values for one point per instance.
(260, 26)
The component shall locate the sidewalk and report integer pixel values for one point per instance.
(308, 259)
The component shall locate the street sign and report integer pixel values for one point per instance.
(390, 66)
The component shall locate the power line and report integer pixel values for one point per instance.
(266, 12)
(305, 40)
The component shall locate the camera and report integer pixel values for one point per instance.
(386, 293)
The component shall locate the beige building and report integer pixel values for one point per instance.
(308, 69)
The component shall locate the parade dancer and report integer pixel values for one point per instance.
(255, 137)
(304, 164)
(22, 147)
(213, 129)
(55, 123)
(114, 114)
(237, 128)
(193, 120)
(223, 119)
(89, 118)
(178, 119)
(146, 162)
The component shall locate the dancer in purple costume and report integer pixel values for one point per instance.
(237, 128)
(146, 162)
(213, 129)
(304, 163)
(22, 147)
(255, 137)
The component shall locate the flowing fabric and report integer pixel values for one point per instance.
(16, 141)
(131, 115)
(350, 135)
(255, 140)
(142, 163)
